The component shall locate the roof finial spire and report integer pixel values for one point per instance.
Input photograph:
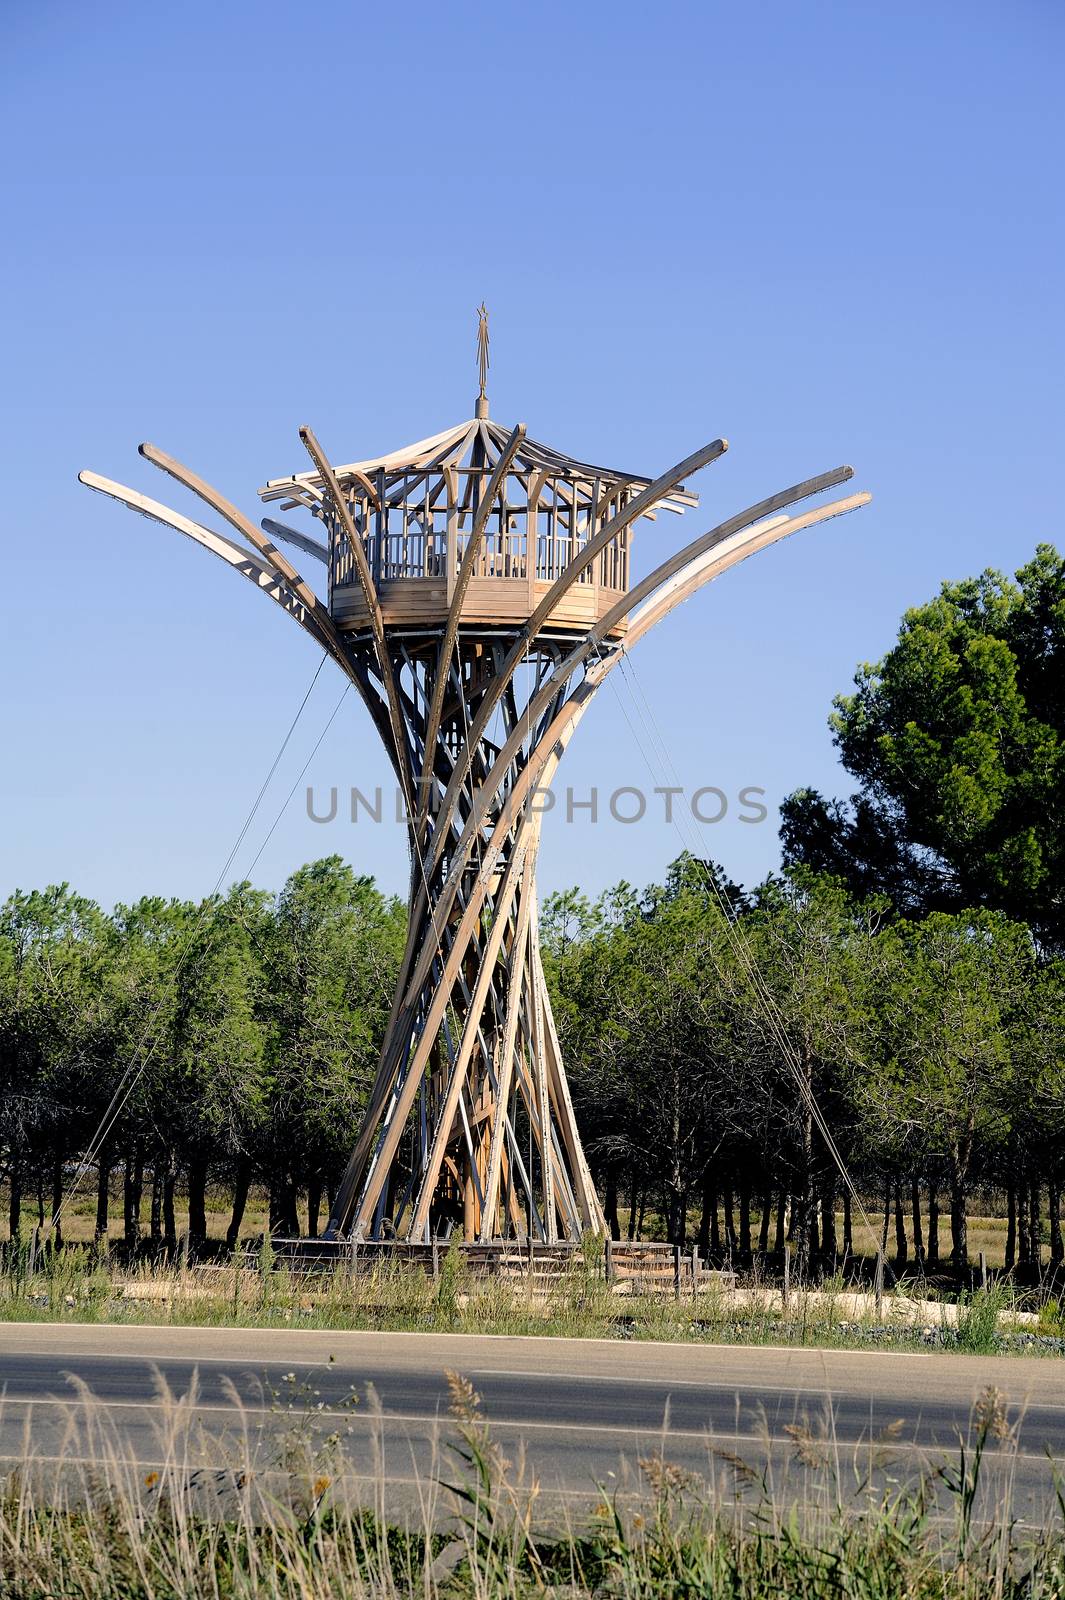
(482, 358)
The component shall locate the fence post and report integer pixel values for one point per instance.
(983, 1271)
(608, 1258)
(786, 1291)
(695, 1270)
(34, 1233)
(878, 1283)
(676, 1272)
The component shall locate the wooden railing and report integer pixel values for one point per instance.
(412, 539)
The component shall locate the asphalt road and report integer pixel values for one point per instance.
(578, 1413)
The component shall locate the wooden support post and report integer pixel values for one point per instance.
(436, 1258)
(695, 1270)
(676, 1272)
(608, 1258)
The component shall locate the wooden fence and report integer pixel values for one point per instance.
(645, 1268)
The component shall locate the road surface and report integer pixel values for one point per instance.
(580, 1413)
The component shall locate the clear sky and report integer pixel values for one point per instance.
(830, 232)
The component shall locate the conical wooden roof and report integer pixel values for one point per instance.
(477, 444)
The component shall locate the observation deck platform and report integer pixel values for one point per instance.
(528, 511)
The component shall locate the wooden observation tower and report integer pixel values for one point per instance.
(479, 592)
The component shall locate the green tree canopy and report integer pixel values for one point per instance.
(957, 740)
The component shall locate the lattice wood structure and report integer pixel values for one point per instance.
(479, 593)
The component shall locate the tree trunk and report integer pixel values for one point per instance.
(40, 1197)
(782, 1223)
(197, 1177)
(813, 1233)
(828, 1216)
(639, 1219)
(745, 1218)
(887, 1217)
(730, 1221)
(240, 1201)
(715, 1220)
(959, 1223)
(132, 1191)
(155, 1226)
(610, 1201)
(284, 1223)
(1035, 1226)
(709, 1208)
(1057, 1249)
(848, 1230)
(634, 1187)
(314, 1208)
(1011, 1227)
(103, 1198)
(14, 1201)
(915, 1215)
(933, 1222)
(169, 1222)
(763, 1223)
(57, 1201)
(900, 1226)
(1024, 1243)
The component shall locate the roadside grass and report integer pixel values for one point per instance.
(78, 1285)
(274, 1512)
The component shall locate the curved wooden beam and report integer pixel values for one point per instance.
(302, 541)
(261, 572)
(362, 569)
(451, 627)
(278, 488)
(636, 508)
(210, 495)
(504, 1064)
(253, 567)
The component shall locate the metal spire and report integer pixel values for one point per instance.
(482, 358)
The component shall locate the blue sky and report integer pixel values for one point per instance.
(831, 232)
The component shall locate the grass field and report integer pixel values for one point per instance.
(76, 1284)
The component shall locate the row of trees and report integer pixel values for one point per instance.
(726, 1053)
(218, 1042)
(725, 1050)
